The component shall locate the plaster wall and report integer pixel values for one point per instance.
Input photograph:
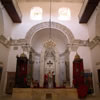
(84, 53)
(1, 21)
(7, 23)
(80, 31)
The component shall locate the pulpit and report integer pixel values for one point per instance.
(21, 71)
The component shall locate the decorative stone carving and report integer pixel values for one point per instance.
(42, 62)
(55, 25)
(76, 43)
(4, 41)
(94, 42)
(18, 42)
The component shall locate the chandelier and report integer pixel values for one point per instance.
(49, 43)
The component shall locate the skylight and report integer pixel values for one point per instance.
(36, 13)
(64, 14)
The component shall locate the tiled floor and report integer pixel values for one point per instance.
(8, 97)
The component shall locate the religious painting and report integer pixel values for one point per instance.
(1, 73)
(10, 82)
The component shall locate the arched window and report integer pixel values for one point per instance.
(64, 14)
(36, 13)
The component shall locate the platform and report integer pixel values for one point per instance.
(45, 94)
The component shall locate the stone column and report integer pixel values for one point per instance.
(3, 81)
(67, 73)
(42, 68)
(57, 70)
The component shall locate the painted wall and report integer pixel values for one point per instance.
(85, 54)
(12, 60)
(20, 30)
(92, 26)
(4, 30)
(4, 59)
(94, 30)
(1, 21)
(95, 53)
(7, 23)
(98, 20)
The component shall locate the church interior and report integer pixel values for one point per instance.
(49, 49)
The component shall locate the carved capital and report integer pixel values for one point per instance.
(19, 42)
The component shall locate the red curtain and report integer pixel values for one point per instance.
(78, 78)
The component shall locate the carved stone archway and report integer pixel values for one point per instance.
(64, 30)
(30, 34)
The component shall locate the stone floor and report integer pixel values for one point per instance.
(9, 97)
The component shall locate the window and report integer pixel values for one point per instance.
(64, 14)
(36, 13)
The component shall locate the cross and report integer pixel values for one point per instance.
(49, 63)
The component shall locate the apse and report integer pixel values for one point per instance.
(42, 36)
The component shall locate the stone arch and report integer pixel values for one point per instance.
(55, 25)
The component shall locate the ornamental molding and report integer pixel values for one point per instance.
(30, 34)
(18, 42)
(4, 41)
(25, 46)
(94, 42)
(76, 44)
(72, 46)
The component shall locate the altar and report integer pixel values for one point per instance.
(45, 94)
